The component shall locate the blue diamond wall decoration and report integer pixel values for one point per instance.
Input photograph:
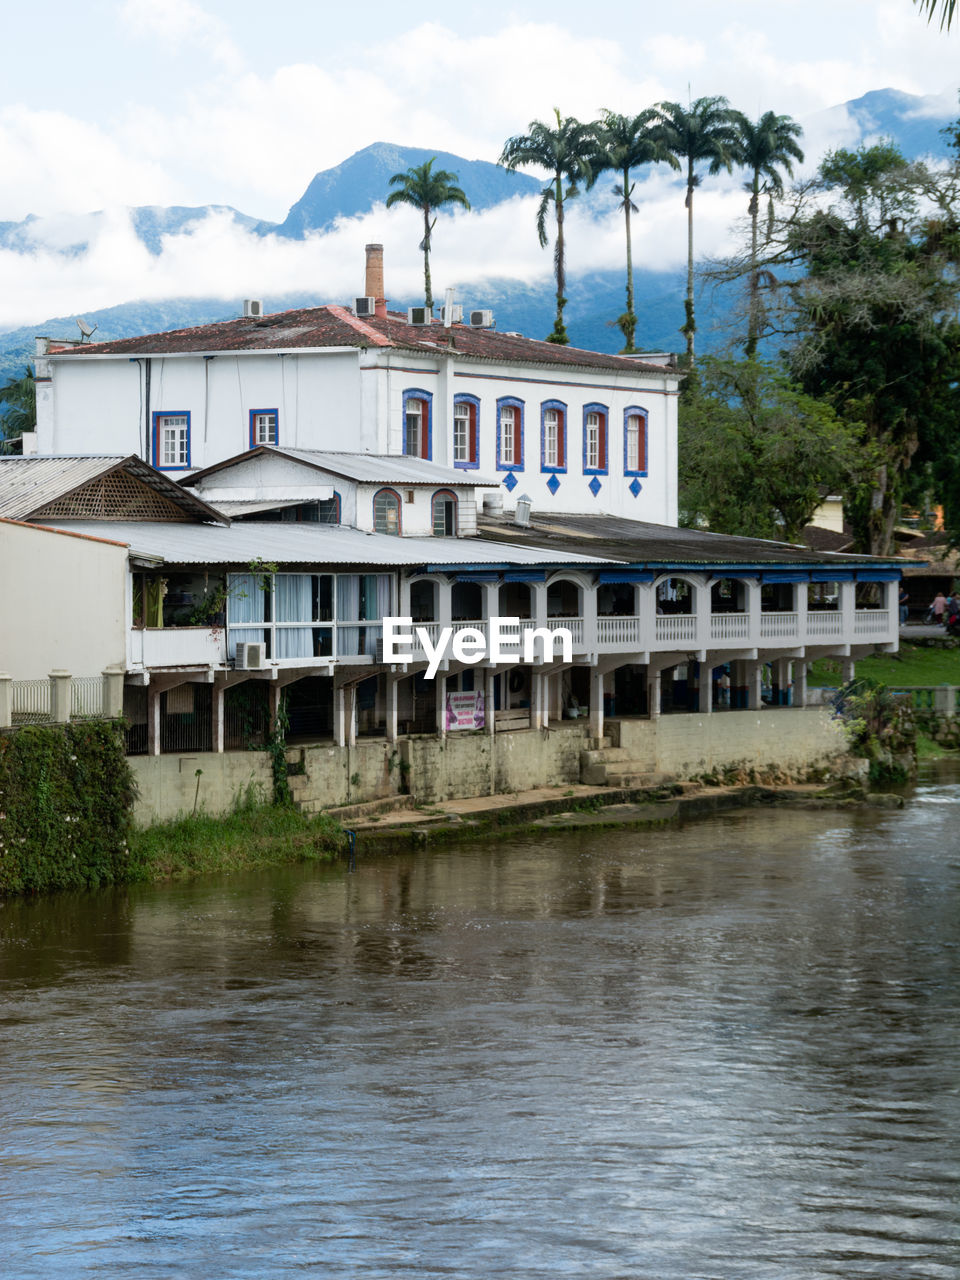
(510, 483)
(594, 486)
(635, 487)
(553, 484)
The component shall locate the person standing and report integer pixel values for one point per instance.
(904, 605)
(938, 607)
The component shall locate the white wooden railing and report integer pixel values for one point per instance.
(779, 626)
(618, 633)
(871, 622)
(729, 626)
(825, 623)
(677, 628)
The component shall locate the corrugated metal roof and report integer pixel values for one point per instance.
(231, 507)
(29, 484)
(365, 468)
(281, 543)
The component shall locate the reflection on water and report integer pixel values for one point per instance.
(728, 1051)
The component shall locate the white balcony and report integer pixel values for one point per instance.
(824, 625)
(729, 627)
(176, 647)
(676, 629)
(620, 633)
(871, 622)
(779, 626)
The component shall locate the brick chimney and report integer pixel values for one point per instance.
(374, 278)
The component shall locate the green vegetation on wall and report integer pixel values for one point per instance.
(66, 793)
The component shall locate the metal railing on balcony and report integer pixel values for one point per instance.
(86, 697)
(31, 701)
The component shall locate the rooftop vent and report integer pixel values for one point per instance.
(366, 307)
(481, 319)
(521, 516)
(252, 308)
(419, 315)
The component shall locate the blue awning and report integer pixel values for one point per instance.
(525, 575)
(625, 575)
(838, 575)
(478, 575)
(878, 575)
(785, 576)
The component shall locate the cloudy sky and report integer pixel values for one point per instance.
(126, 102)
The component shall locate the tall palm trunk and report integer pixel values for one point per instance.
(629, 326)
(753, 318)
(559, 261)
(427, 285)
(689, 324)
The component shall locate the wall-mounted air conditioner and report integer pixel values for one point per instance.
(250, 657)
(453, 314)
(252, 308)
(419, 315)
(481, 319)
(366, 307)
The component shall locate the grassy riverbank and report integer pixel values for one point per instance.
(253, 837)
(913, 665)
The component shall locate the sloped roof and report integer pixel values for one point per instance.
(364, 468)
(336, 326)
(29, 484)
(661, 546)
(320, 544)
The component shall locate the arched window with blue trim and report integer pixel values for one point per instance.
(418, 423)
(386, 512)
(595, 419)
(509, 434)
(444, 514)
(466, 431)
(553, 436)
(634, 441)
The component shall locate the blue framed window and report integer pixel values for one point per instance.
(596, 419)
(553, 436)
(634, 441)
(264, 427)
(418, 423)
(171, 440)
(386, 512)
(466, 432)
(509, 434)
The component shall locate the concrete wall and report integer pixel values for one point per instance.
(168, 784)
(794, 739)
(477, 764)
(63, 603)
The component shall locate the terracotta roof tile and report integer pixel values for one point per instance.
(335, 326)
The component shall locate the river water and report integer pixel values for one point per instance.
(725, 1051)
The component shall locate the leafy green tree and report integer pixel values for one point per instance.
(766, 149)
(624, 143)
(702, 133)
(426, 190)
(875, 310)
(18, 410)
(756, 453)
(566, 153)
(942, 9)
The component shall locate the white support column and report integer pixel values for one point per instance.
(339, 716)
(755, 609)
(60, 695)
(706, 687)
(488, 702)
(273, 703)
(596, 702)
(588, 596)
(803, 604)
(848, 610)
(351, 711)
(848, 666)
(153, 721)
(538, 701)
(441, 686)
(392, 689)
(6, 700)
(112, 693)
(799, 683)
(218, 695)
(653, 695)
(755, 685)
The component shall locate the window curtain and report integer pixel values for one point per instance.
(348, 610)
(294, 599)
(246, 600)
(153, 603)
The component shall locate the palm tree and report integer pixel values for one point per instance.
(428, 191)
(764, 149)
(945, 8)
(565, 152)
(701, 133)
(18, 397)
(623, 144)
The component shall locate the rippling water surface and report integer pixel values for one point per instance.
(729, 1051)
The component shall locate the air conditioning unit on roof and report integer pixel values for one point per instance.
(366, 307)
(419, 315)
(481, 319)
(250, 657)
(252, 308)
